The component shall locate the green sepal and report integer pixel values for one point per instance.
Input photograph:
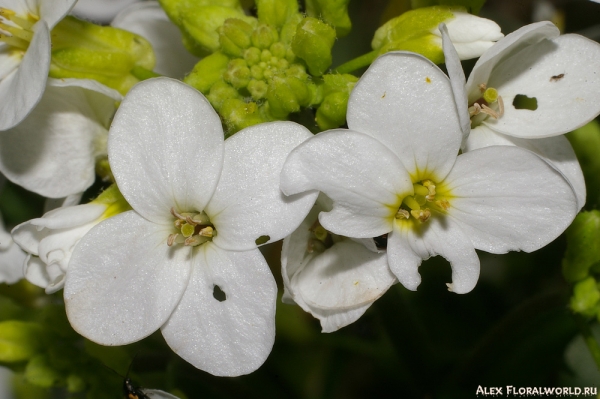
(287, 95)
(239, 114)
(585, 297)
(276, 12)
(472, 6)
(334, 12)
(109, 55)
(586, 143)
(20, 340)
(412, 31)
(336, 90)
(312, 43)
(583, 246)
(235, 36)
(207, 72)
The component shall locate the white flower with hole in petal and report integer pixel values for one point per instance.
(50, 240)
(53, 152)
(397, 171)
(25, 54)
(334, 278)
(528, 89)
(185, 259)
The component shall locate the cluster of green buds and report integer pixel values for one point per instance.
(114, 57)
(266, 67)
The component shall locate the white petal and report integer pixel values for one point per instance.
(53, 11)
(232, 337)
(100, 11)
(347, 275)
(333, 320)
(52, 152)
(248, 203)
(149, 20)
(124, 280)
(507, 198)
(505, 48)
(563, 74)
(365, 180)
(557, 151)
(465, 28)
(407, 247)
(23, 89)
(35, 271)
(11, 264)
(53, 203)
(406, 102)
(165, 148)
(457, 81)
(9, 60)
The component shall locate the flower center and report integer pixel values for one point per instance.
(194, 229)
(490, 104)
(320, 239)
(15, 30)
(420, 204)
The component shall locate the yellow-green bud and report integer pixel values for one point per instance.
(585, 297)
(313, 42)
(252, 56)
(220, 92)
(234, 36)
(239, 114)
(208, 71)
(288, 31)
(237, 73)
(19, 340)
(278, 50)
(336, 90)
(258, 89)
(263, 36)
(334, 12)
(109, 55)
(265, 56)
(276, 12)
(286, 95)
(257, 72)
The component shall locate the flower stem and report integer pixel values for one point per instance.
(589, 339)
(357, 63)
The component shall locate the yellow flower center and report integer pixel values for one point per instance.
(490, 104)
(194, 229)
(16, 30)
(420, 205)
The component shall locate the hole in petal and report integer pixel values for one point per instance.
(218, 293)
(262, 240)
(381, 241)
(521, 101)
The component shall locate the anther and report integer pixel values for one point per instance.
(402, 214)
(171, 239)
(421, 214)
(444, 204)
(500, 106)
(207, 232)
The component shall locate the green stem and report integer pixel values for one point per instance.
(357, 63)
(143, 73)
(589, 339)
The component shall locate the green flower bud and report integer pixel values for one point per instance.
(263, 36)
(39, 371)
(276, 12)
(298, 71)
(582, 252)
(234, 37)
(237, 73)
(586, 143)
(265, 56)
(220, 92)
(19, 340)
(208, 71)
(286, 95)
(258, 89)
(336, 90)
(585, 297)
(334, 12)
(278, 50)
(312, 43)
(257, 72)
(252, 56)
(239, 114)
(288, 31)
(109, 55)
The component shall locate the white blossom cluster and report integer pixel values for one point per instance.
(429, 165)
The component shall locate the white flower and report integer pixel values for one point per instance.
(200, 204)
(53, 152)
(50, 240)
(25, 54)
(396, 171)
(559, 74)
(332, 277)
(150, 21)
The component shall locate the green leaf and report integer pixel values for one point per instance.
(19, 340)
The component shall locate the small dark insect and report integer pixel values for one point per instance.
(131, 391)
(556, 78)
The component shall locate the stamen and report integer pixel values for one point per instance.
(475, 109)
(430, 190)
(487, 110)
(444, 204)
(14, 42)
(207, 232)
(402, 214)
(17, 32)
(500, 106)
(22, 22)
(171, 239)
(482, 87)
(421, 214)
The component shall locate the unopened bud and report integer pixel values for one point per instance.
(313, 42)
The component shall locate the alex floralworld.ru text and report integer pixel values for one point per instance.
(539, 391)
